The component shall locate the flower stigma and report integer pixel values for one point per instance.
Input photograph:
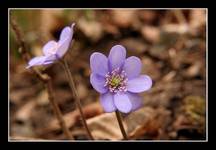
(116, 81)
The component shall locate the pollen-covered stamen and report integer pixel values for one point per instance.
(116, 80)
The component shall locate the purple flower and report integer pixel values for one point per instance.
(53, 50)
(118, 80)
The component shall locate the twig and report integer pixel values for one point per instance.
(42, 77)
(57, 110)
(19, 37)
(75, 94)
(119, 118)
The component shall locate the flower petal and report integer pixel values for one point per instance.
(116, 57)
(67, 32)
(139, 84)
(98, 83)
(63, 47)
(48, 62)
(49, 47)
(135, 100)
(36, 61)
(51, 57)
(132, 67)
(107, 102)
(122, 102)
(99, 63)
(65, 41)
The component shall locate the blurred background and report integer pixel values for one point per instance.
(171, 45)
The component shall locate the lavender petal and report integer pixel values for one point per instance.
(36, 61)
(98, 83)
(139, 84)
(135, 100)
(49, 47)
(107, 102)
(122, 102)
(65, 40)
(99, 63)
(132, 67)
(67, 32)
(63, 47)
(116, 57)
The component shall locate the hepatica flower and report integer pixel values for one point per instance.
(118, 80)
(52, 50)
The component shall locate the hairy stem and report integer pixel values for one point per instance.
(44, 78)
(75, 94)
(20, 38)
(119, 118)
(57, 110)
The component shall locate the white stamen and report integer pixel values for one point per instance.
(116, 81)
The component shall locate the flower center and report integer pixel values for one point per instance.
(116, 81)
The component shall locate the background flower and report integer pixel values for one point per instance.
(118, 80)
(54, 50)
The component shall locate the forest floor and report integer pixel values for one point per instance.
(172, 47)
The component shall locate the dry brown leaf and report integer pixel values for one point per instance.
(92, 29)
(24, 113)
(112, 29)
(194, 69)
(147, 121)
(73, 117)
(140, 48)
(20, 95)
(42, 98)
(82, 90)
(49, 22)
(105, 126)
(151, 33)
(148, 16)
(139, 117)
(169, 76)
(151, 67)
(176, 28)
(180, 121)
(123, 18)
(197, 18)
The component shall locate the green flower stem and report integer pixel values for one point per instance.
(119, 118)
(77, 100)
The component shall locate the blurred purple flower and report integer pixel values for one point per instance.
(118, 80)
(53, 50)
